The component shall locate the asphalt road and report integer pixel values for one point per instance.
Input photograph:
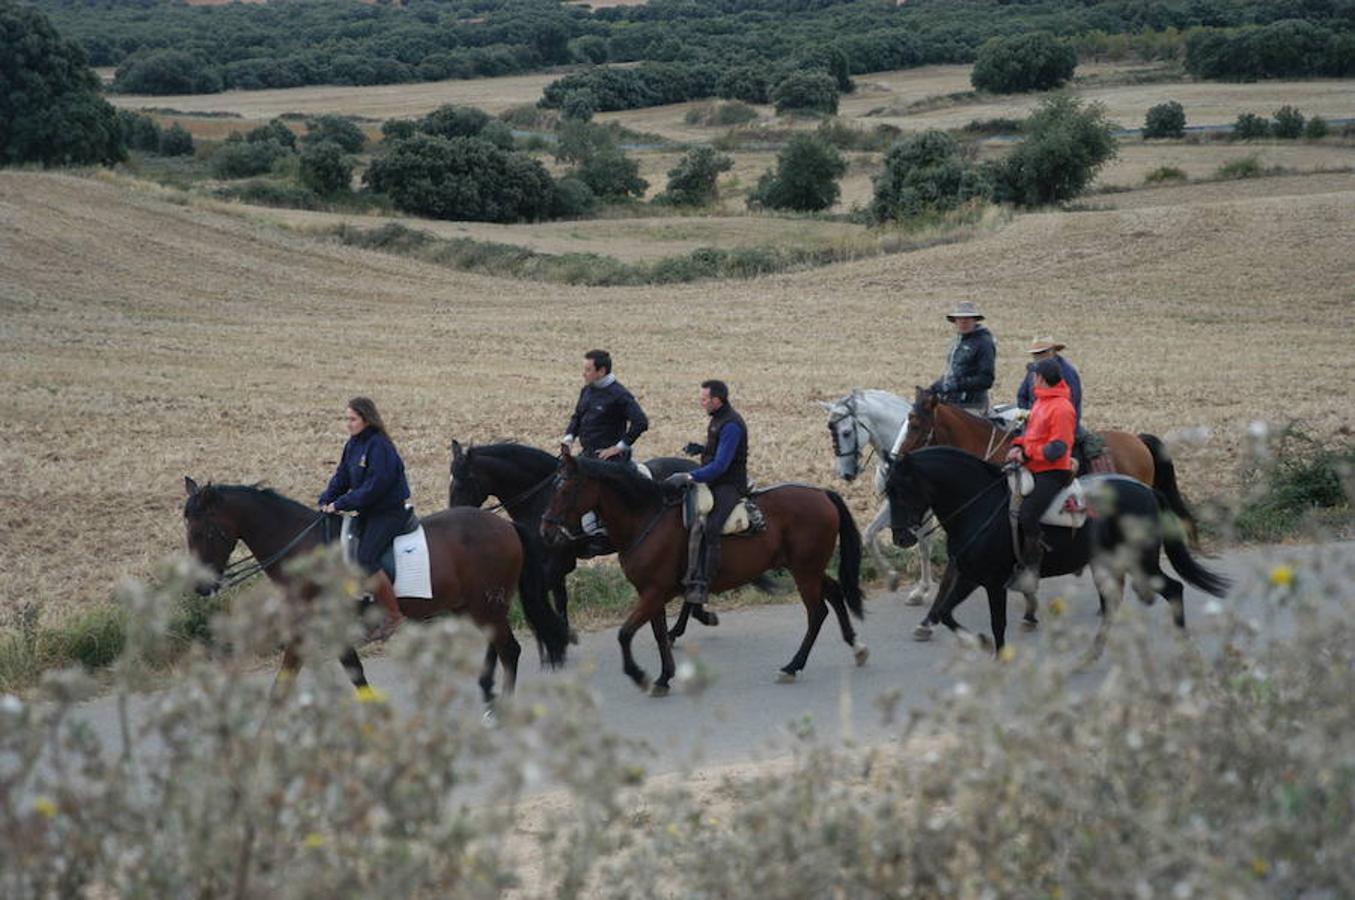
(743, 714)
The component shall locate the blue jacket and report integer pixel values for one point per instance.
(370, 477)
(606, 414)
(1025, 396)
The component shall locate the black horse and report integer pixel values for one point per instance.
(521, 478)
(1124, 535)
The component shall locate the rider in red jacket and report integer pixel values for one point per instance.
(1046, 449)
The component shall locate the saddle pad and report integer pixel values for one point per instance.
(644, 470)
(739, 520)
(1068, 508)
(413, 576)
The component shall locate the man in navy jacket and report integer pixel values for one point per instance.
(607, 420)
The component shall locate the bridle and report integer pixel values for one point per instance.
(571, 498)
(855, 452)
(511, 501)
(941, 523)
(248, 566)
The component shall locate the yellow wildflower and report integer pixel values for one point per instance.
(1058, 606)
(314, 841)
(1259, 867)
(369, 694)
(1282, 576)
(1007, 655)
(44, 807)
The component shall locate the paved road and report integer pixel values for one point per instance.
(744, 714)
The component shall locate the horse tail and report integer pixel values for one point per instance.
(1194, 573)
(849, 555)
(552, 635)
(1164, 482)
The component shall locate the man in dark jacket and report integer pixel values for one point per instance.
(724, 468)
(1048, 348)
(971, 361)
(607, 420)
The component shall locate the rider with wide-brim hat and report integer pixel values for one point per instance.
(971, 361)
(1045, 347)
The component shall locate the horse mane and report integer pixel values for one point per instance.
(633, 488)
(954, 456)
(197, 503)
(520, 455)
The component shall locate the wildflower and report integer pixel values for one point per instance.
(1058, 606)
(1007, 655)
(314, 841)
(1259, 867)
(369, 694)
(44, 807)
(1282, 576)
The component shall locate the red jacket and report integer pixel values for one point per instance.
(1051, 419)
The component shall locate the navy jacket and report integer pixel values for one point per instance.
(970, 368)
(725, 457)
(606, 415)
(1025, 397)
(370, 477)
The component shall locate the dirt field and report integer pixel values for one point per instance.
(143, 340)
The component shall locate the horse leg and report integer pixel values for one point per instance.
(680, 626)
(667, 668)
(997, 613)
(946, 603)
(923, 632)
(811, 592)
(560, 562)
(1110, 587)
(487, 673)
(508, 650)
(924, 559)
(353, 666)
(871, 537)
(643, 611)
(833, 592)
(1029, 621)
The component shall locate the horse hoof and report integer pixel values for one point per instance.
(914, 599)
(985, 642)
(862, 653)
(489, 719)
(1030, 624)
(922, 633)
(658, 690)
(893, 581)
(711, 620)
(573, 636)
(784, 677)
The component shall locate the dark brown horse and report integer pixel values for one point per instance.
(477, 561)
(802, 526)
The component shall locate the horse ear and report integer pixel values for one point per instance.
(827, 407)
(190, 486)
(456, 450)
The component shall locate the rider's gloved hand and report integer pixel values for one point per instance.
(678, 479)
(694, 449)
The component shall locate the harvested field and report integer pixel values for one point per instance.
(144, 339)
(1227, 191)
(1137, 158)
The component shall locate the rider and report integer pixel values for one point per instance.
(970, 362)
(607, 421)
(724, 468)
(1046, 450)
(370, 480)
(1048, 348)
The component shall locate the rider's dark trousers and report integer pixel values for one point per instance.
(726, 497)
(1036, 503)
(379, 529)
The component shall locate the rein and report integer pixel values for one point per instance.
(940, 523)
(531, 491)
(244, 569)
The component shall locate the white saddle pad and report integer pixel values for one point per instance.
(413, 576)
(738, 521)
(1069, 507)
(644, 470)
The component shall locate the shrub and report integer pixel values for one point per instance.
(573, 198)
(1066, 144)
(139, 131)
(50, 109)
(1247, 167)
(453, 121)
(1290, 48)
(275, 131)
(1297, 476)
(462, 178)
(325, 168)
(245, 159)
(398, 130)
(747, 83)
(176, 141)
(845, 136)
(1164, 174)
(1250, 126)
(599, 162)
(1026, 62)
(806, 91)
(925, 173)
(805, 177)
(1166, 120)
(579, 105)
(1316, 129)
(993, 127)
(338, 130)
(1288, 123)
(693, 181)
(166, 72)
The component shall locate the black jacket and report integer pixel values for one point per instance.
(605, 416)
(736, 472)
(970, 369)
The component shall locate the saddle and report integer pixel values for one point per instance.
(745, 518)
(1068, 508)
(351, 533)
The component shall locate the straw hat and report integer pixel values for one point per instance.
(964, 309)
(1043, 344)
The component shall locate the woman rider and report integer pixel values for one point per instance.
(370, 481)
(1046, 449)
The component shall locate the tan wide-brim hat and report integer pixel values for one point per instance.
(965, 309)
(1045, 344)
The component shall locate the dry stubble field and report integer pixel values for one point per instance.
(142, 340)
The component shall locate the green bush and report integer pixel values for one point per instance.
(925, 173)
(1247, 167)
(845, 136)
(598, 161)
(1298, 477)
(1288, 124)
(275, 131)
(580, 105)
(812, 90)
(325, 168)
(573, 198)
(176, 141)
(1163, 174)
(245, 159)
(750, 84)
(270, 192)
(338, 130)
(805, 178)
(167, 72)
(993, 127)
(1066, 144)
(139, 131)
(1166, 120)
(1250, 127)
(1316, 129)
(1025, 62)
(692, 182)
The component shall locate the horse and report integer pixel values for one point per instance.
(1124, 534)
(477, 560)
(932, 422)
(876, 418)
(802, 525)
(519, 476)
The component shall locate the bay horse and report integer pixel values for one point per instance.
(1124, 535)
(803, 524)
(477, 561)
(520, 477)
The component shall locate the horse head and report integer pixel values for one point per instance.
(464, 487)
(574, 494)
(211, 530)
(907, 504)
(921, 426)
(847, 433)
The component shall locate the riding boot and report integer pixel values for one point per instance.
(1026, 577)
(393, 618)
(710, 565)
(697, 580)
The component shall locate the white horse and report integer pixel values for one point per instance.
(878, 419)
